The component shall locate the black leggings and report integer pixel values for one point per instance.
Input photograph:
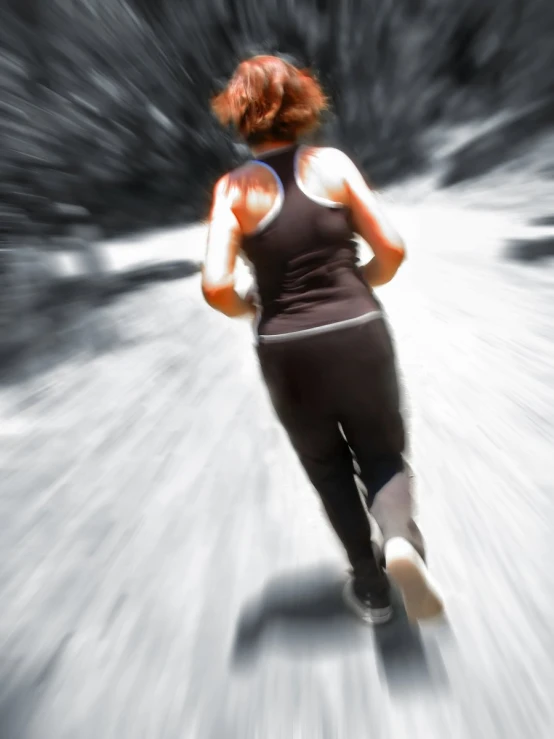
(337, 395)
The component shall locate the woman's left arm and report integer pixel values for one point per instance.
(224, 240)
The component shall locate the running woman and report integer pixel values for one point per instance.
(323, 344)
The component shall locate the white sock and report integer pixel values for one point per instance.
(400, 548)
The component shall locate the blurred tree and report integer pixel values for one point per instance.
(104, 104)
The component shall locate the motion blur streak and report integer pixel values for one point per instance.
(165, 569)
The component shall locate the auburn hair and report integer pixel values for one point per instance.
(269, 99)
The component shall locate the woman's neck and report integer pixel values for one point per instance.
(273, 146)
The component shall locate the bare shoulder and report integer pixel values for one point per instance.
(332, 159)
(334, 165)
(332, 168)
(221, 187)
(234, 175)
(226, 189)
(248, 174)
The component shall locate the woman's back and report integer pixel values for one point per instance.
(299, 240)
(295, 213)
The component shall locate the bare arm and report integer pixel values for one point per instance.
(224, 239)
(371, 223)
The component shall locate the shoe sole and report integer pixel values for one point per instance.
(374, 617)
(421, 600)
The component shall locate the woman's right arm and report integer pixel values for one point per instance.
(224, 240)
(371, 223)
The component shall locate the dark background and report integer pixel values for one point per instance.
(104, 112)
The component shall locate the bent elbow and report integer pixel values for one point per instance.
(395, 257)
(211, 293)
(401, 253)
(218, 297)
(208, 293)
(392, 263)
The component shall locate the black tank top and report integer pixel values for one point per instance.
(304, 259)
